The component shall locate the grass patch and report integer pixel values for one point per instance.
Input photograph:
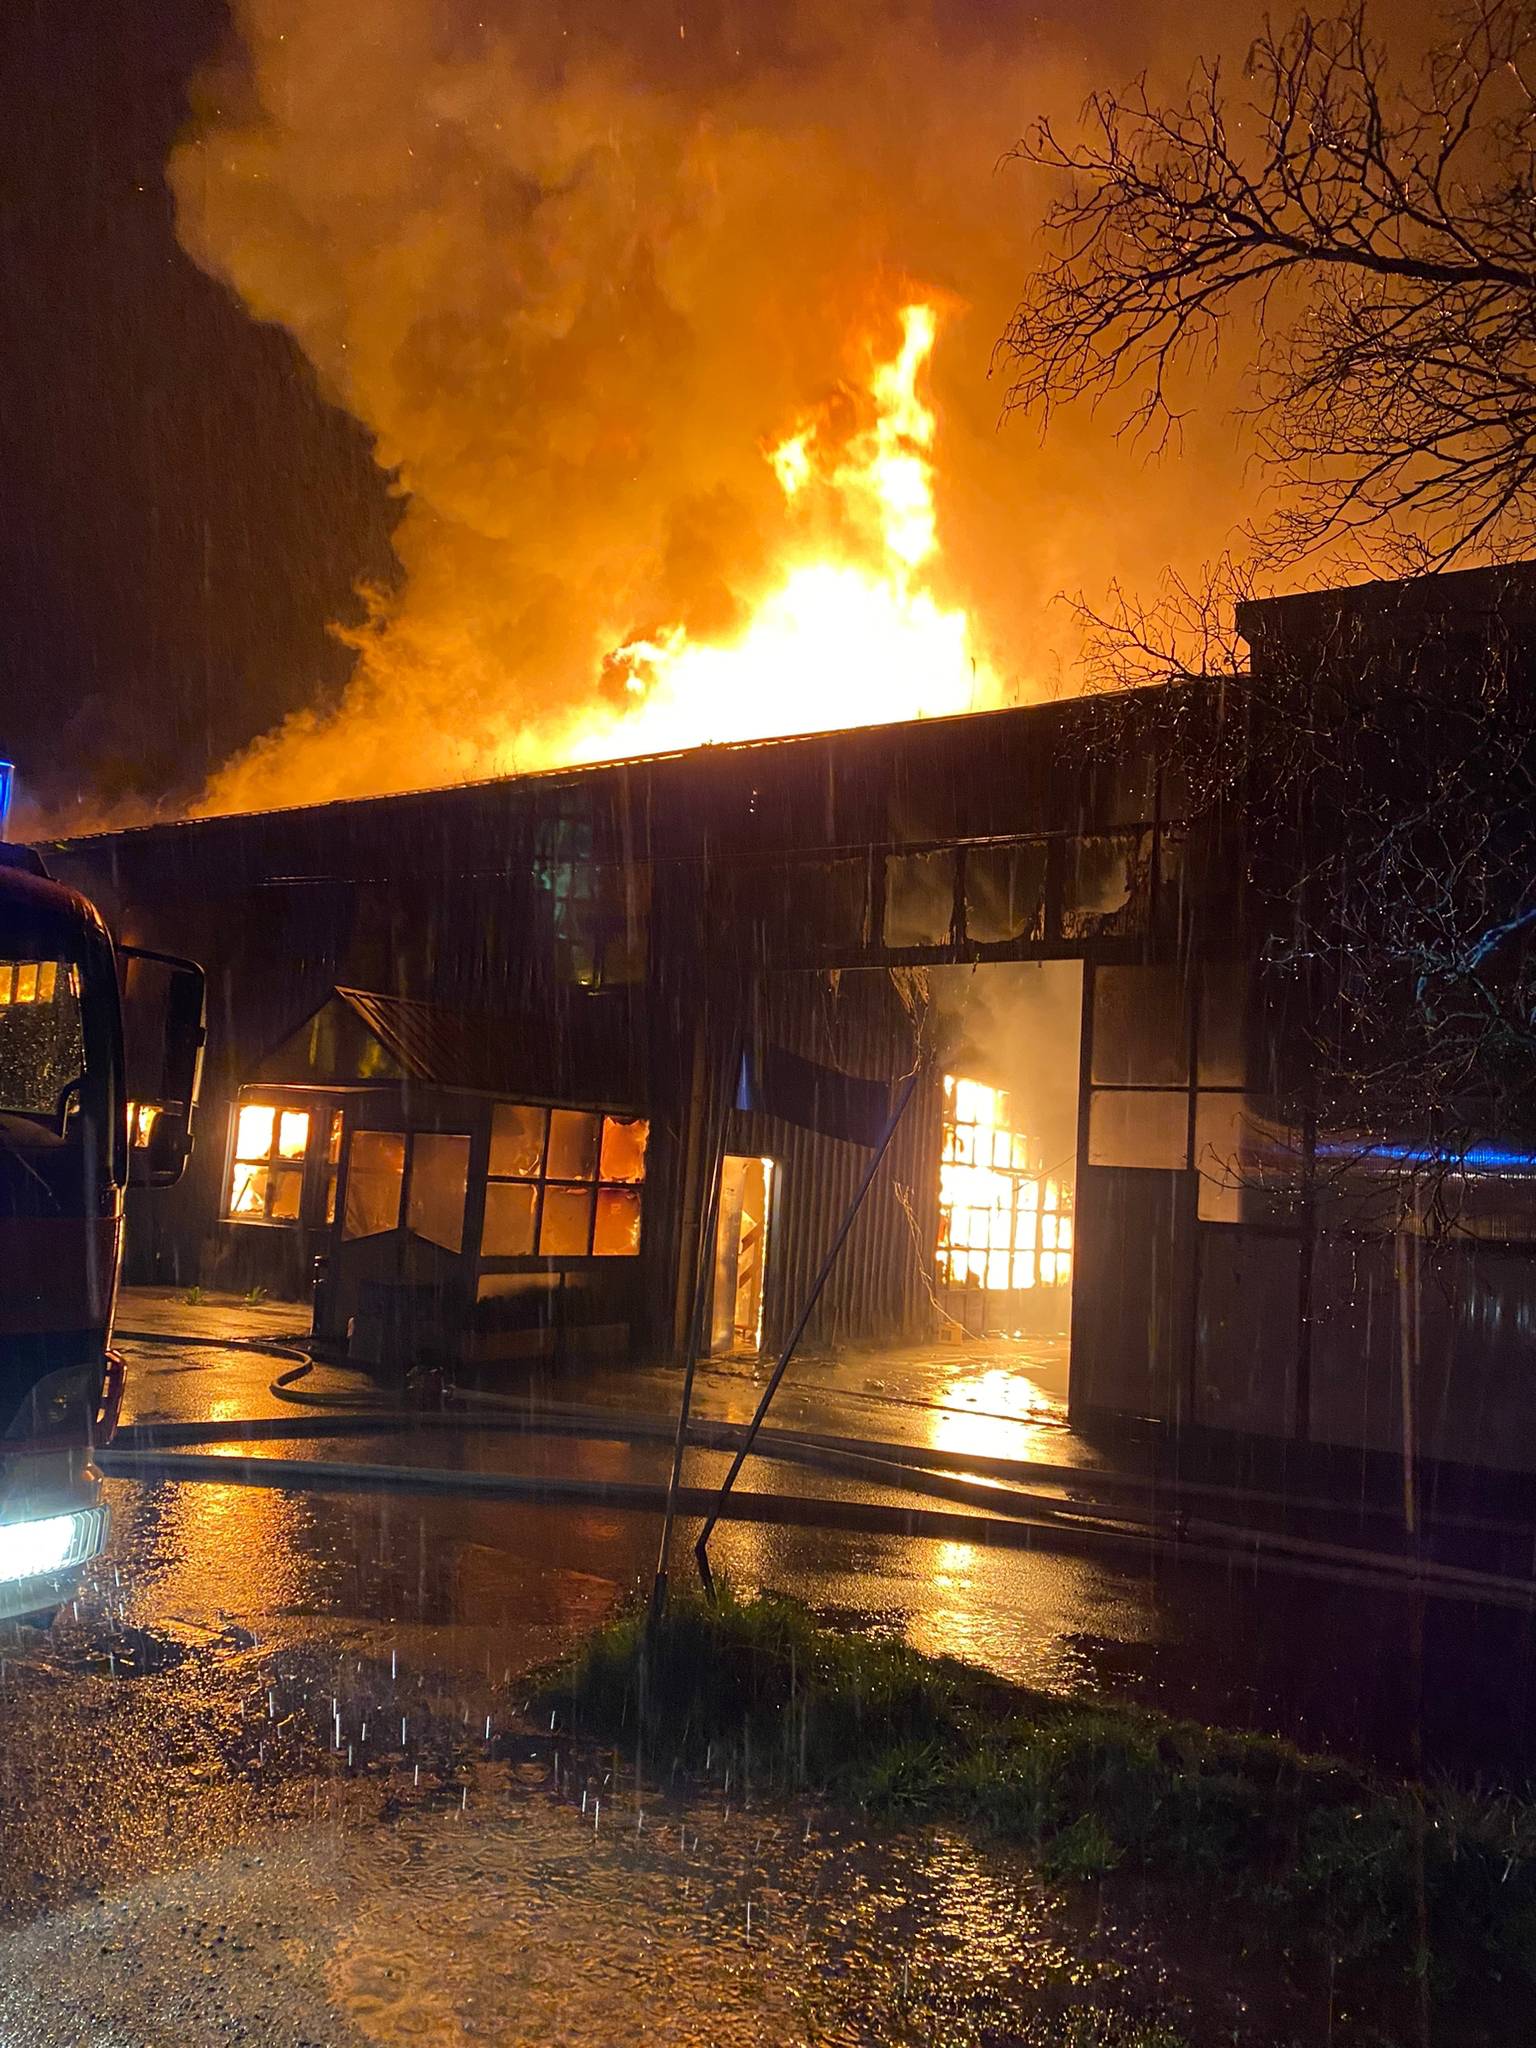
(1429, 1881)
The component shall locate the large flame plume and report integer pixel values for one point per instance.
(672, 330)
(848, 634)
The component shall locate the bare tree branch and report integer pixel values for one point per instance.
(1371, 243)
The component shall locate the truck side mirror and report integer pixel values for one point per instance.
(164, 1031)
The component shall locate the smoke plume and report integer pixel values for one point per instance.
(578, 267)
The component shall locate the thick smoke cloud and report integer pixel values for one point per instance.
(577, 266)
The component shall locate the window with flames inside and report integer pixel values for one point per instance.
(273, 1147)
(1005, 1224)
(563, 1183)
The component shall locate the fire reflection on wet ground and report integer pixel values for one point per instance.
(517, 1906)
(1370, 1672)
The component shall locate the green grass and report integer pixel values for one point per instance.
(1424, 1880)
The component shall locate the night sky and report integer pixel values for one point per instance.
(182, 512)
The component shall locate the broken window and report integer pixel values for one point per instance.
(438, 1184)
(919, 898)
(1107, 885)
(1005, 893)
(623, 1153)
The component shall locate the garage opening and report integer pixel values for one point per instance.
(952, 1295)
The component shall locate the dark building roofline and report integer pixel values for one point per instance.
(989, 727)
(1375, 617)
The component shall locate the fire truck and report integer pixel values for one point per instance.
(100, 1057)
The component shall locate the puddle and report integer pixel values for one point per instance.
(516, 1917)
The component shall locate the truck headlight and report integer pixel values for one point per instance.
(52, 1543)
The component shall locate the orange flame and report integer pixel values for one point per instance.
(1004, 1226)
(849, 633)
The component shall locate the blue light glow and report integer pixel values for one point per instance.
(1475, 1159)
(7, 790)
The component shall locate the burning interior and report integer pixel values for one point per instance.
(500, 1070)
(1005, 1224)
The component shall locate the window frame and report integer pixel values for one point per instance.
(276, 1168)
(313, 1168)
(354, 1129)
(541, 1181)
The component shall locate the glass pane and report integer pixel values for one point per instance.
(1106, 885)
(919, 898)
(566, 1224)
(330, 1196)
(42, 1047)
(617, 1232)
(624, 1142)
(292, 1133)
(1248, 1162)
(287, 1186)
(517, 1140)
(248, 1191)
(573, 1137)
(1138, 1127)
(333, 1143)
(7, 980)
(1224, 1026)
(253, 1130)
(509, 1212)
(374, 1176)
(439, 1182)
(1140, 1026)
(1005, 893)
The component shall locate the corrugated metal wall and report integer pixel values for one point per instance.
(881, 1287)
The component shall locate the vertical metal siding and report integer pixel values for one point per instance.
(880, 1287)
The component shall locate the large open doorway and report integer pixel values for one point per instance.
(952, 1295)
(741, 1255)
(1009, 1037)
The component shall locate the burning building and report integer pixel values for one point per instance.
(507, 1065)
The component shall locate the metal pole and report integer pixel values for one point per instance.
(807, 1306)
(716, 1157)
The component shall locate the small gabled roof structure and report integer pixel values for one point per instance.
(362, 1035)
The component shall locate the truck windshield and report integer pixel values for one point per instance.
(42, 1039)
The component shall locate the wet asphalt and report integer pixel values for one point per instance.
(269, 1778)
